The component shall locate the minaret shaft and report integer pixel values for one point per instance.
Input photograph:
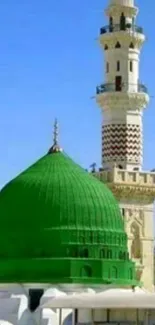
(122, 97)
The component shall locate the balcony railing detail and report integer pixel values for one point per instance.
(118, 28)
(125, 87)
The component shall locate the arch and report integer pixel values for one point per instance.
(131, 46)
(118, 45)
(120, 166)
(122, 22)
(86, 271)
(136, 246)
(106, 47)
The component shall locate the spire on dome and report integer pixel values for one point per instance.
(55, 147)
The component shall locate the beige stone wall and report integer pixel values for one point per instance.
(140, 230)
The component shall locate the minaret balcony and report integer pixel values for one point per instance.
(118, 28)
(124, 87)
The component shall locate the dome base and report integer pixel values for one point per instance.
(84, 271)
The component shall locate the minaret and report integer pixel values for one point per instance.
(123, 98)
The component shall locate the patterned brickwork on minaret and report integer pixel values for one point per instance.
(120, 141)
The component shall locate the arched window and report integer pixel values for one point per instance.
(109, 254)
(122, 22)
(120, 255)
(124, 256)
(86, 271)
(74, 252)
(102, 253)
(67, 252)
(118, 45)
(106, 47)
(84, 253)
(118, 66)
(131, 46)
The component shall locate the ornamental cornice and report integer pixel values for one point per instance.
(124, 37)
(139, 193)
(116, 10)
(128, 100)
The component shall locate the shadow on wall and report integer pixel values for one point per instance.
(68, 320)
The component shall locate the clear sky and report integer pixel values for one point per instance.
(50, 64)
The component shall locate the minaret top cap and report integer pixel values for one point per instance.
(55, 148)
(127, 3)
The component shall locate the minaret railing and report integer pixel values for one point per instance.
(111, 87)
(118, 28)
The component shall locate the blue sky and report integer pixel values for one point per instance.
(50, 64)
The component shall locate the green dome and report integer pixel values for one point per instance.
(59, 224)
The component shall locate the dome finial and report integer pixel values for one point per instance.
(55, 147)
(55, 133)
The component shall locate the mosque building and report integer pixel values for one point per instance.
(77, 247)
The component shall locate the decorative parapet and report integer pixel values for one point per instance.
(129, 184)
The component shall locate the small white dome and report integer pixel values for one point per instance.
(51, 293)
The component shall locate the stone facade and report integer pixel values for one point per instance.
(135, 190)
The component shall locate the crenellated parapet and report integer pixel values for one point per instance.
(137, 185)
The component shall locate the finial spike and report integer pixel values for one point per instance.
(55, 148)
(55, 133)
